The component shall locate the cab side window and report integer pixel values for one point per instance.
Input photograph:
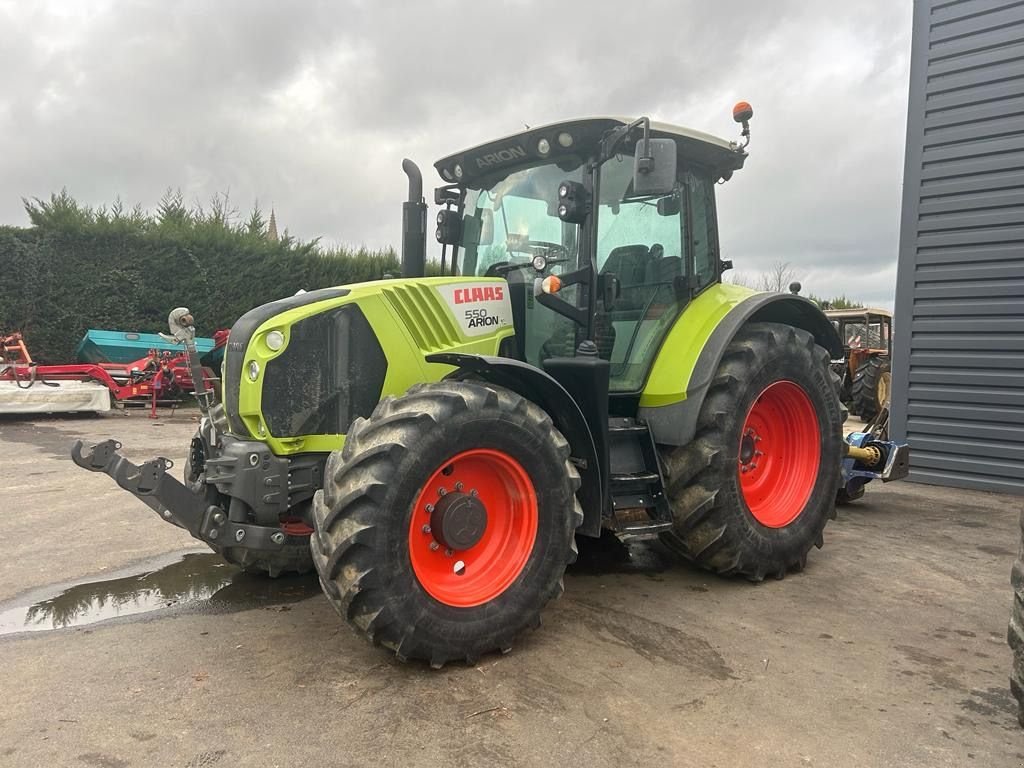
(704, 229)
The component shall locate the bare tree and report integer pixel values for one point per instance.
(778, 277)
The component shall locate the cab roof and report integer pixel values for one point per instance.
(495, 159)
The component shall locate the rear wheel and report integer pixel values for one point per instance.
(754, 490)
(447, 520)
(1015, 632)
(870, 390)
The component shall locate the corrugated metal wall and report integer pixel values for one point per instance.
(958, 373)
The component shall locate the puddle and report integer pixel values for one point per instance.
(195, 581)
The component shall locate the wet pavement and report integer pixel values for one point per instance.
(189, 581)
(127, 645)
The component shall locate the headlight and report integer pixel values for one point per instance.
(565, 139)
(254, 370)
(275, 340)
(543, 146)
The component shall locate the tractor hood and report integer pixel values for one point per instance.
(569, 143)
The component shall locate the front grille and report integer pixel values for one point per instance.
(241, 335)
(331, 372)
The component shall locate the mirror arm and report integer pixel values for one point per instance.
(615, 137)
(559, 305)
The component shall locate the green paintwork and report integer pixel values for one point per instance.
(670, 374)
(411, 320)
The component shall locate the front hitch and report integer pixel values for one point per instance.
(172, 500)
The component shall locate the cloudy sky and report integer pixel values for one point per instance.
(310, 107)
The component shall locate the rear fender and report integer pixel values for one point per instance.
(675, 423)
(539, 387)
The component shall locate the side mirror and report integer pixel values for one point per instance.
(610, 289)
(654, 167)
(669, 206)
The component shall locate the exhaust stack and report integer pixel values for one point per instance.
(414, 224)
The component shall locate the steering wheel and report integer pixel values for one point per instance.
(537, 247)
(532, 247)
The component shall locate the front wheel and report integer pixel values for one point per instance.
(447, 520)
(752, 493)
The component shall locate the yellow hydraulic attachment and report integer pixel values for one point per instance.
(869, 456)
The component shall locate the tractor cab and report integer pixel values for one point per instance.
(592, 248)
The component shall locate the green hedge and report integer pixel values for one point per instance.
(78, 268)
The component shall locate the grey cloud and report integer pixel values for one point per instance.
(310, 107)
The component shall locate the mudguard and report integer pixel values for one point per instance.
(679, 380)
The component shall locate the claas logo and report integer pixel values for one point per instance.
(470, 295)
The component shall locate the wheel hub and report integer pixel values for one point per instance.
(458, 521)
(748, 447)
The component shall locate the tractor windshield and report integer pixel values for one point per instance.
(506, 226)
(515, 220)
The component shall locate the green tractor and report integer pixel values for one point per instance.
(434, 446)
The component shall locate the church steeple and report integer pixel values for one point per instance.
(272, 227)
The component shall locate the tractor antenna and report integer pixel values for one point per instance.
(742, 113)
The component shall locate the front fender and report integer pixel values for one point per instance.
(541, 388)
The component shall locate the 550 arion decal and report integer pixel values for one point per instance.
(479, 308)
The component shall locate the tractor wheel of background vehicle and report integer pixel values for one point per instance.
(1015, 632)
(447, 520)
(754, 490)
(293, 557)
(870, 389)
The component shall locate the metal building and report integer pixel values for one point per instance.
(958, 370)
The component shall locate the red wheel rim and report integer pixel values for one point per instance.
(779, 454)
(483, 570)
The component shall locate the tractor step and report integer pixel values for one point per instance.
(648, 530)
(640, 508)
(635, 477)
(617, 427)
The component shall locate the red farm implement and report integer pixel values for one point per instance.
(160, 377)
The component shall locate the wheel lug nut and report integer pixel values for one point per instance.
(434, 546)
(442, 492)
(458, 486)
(426, 529)
(473, 493)
(430, 507)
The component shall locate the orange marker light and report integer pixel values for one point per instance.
(551, 284)
(742, 112)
